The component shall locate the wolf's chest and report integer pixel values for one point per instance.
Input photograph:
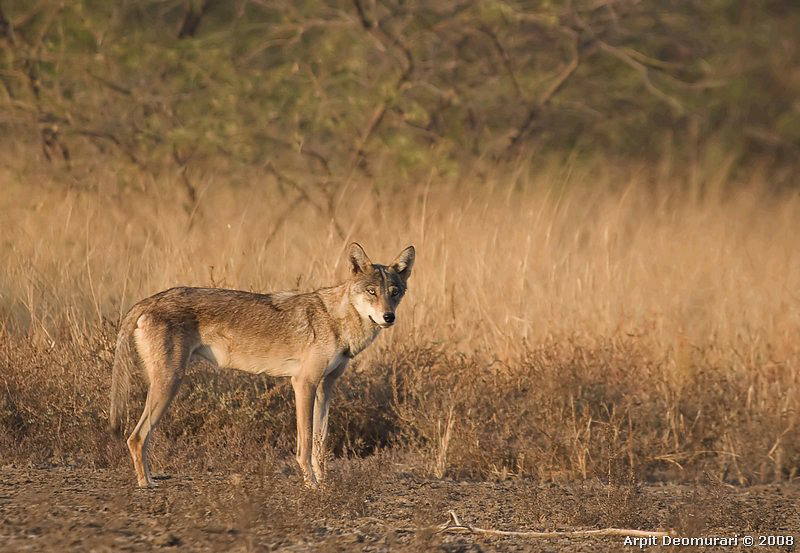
(338, 361)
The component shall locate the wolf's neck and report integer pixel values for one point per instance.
(354, 332)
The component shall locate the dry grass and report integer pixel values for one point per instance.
(562, 322)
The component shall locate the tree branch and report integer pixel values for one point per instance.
(546, 95)
(504, 56)
(192, 18)
(644, 72)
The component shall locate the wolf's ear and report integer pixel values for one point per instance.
(359, 262)
(403, 263)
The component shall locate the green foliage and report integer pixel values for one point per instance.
(412, 84)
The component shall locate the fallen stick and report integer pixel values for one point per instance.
(455, 525)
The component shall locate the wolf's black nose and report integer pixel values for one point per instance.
(388, 317)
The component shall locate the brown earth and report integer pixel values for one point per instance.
(369, 505)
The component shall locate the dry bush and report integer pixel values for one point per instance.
(559, 321)
(268, 507)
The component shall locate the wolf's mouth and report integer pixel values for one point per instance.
(382, 325)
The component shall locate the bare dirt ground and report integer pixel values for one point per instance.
(368, 507)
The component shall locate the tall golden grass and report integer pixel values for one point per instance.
(561, 320)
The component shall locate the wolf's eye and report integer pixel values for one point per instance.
(371, 291)
(394, 291)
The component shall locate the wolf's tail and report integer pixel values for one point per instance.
(125, 360)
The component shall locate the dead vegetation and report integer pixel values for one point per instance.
(562, 323)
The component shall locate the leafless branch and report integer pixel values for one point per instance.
(192, 18)
(644, 72)
(89, 133)
(328, 210)
(6, 28)
(558, 82)
(113, 86)
(362, 16)
(304, 150)
(504, 56)
(188, 185)
(379, 112)
(280, 219)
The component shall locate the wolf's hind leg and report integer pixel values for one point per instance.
(164, 365)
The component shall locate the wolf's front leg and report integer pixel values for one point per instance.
(304, 392)
(320, 427)
(324, 391)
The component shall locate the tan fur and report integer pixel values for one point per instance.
(309, 337)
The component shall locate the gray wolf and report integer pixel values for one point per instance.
(309, 337)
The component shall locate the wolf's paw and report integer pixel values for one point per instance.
(311, 482)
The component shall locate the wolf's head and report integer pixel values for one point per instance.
(376, 290)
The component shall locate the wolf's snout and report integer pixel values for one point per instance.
(388, 317)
